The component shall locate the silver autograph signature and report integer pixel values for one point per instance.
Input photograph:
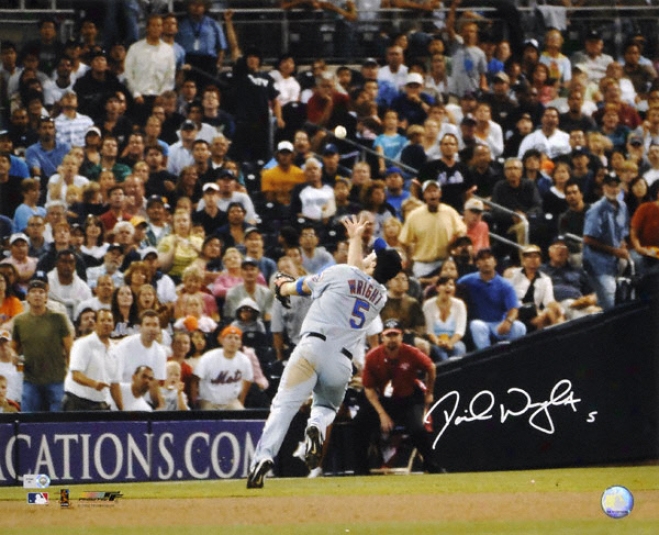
(481, 408)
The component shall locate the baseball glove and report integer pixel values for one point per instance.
(281, 278)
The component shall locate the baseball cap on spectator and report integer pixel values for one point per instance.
(343, 179)
(5, 335)
(249, 261)
(97, 53)
(154, 199)
(188, 125)
(393, 171)
(414, 78)
(484, 253)
(531, 249)
(635, 140)
(230, 329)
(37, 283)
(468, 120)
(285, 146)
(93, 130)
(137, 220)
(221, 173)
(611, 178)
(248, 302)
(429, 183)
(64, 252)
(475, 205)
(147, 251)
(249, 230)
(502, 77)
(18, 236)
(462, 240)
(115, 247)
(533, 43)
(4, 133)
(392, 326)
(579, 151)
(370, 62)
(593, 35)
(211, 185)
(559, 239)
(330, 148)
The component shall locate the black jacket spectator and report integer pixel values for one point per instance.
(47, 262)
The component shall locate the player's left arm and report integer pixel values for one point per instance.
(295, 287)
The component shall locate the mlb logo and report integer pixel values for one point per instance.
(37, 498)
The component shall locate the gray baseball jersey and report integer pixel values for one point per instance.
(346, 301)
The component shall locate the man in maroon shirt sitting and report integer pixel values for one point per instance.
(397, 399)
(115, 212)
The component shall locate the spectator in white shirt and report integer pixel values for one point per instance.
(548, 139)
(64, 283)
(92, 369)
(149, 68)
(133, 393)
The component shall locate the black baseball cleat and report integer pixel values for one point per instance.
(258, 473)
(313, 448)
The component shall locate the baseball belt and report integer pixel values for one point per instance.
(344, 351)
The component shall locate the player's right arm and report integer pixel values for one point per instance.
(355, 226)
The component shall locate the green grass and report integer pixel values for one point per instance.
(636, 478)
(517, 485)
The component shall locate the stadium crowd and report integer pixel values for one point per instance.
(150, 190)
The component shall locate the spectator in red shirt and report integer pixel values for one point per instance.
(116, 211)
(327, 107)
(395, 396)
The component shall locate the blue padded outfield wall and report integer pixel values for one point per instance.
(583, 393)
(116, 451)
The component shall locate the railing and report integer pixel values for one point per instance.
(507, 211)
(310, 34)
(498, 207)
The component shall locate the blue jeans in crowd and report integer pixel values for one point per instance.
(605, 288)
(42, 398)
(459, 349)
(483, 331)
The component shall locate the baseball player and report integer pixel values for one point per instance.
(346, 299)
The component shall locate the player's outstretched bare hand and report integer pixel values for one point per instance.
(356, 225)
(280, 279)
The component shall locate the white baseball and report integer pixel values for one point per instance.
(340, 132)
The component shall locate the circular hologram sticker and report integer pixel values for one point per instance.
(617, 502)
(42, 481)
